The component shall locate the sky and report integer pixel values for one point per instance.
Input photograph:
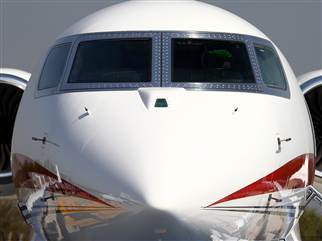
(29, 27)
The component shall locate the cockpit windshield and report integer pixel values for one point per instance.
(112, 60)
(190, 60)
(209, 61)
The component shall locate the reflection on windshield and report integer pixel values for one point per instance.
(201, 60)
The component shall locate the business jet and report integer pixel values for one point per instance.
(162, 120)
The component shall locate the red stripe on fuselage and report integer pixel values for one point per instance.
(297, 173)
(29, 174)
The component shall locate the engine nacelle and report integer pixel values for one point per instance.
(12, 85)
(311, 85)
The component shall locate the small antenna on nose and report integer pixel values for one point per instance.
(87, 113)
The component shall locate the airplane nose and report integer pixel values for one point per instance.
(172, 179)
(162, 189)
(149, 161)
(178, 158)
(170, 186)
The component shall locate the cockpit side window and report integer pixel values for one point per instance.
(112, 61)
(210, 61)
(54, 67)
(270, 67)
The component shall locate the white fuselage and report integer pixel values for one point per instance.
(203, 147)
(102, 163)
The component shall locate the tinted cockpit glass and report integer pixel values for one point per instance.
(270, 67)
(112, 60)
(54, 67)
(201, 60)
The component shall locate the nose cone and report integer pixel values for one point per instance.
(173, 161)
(187, 155)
